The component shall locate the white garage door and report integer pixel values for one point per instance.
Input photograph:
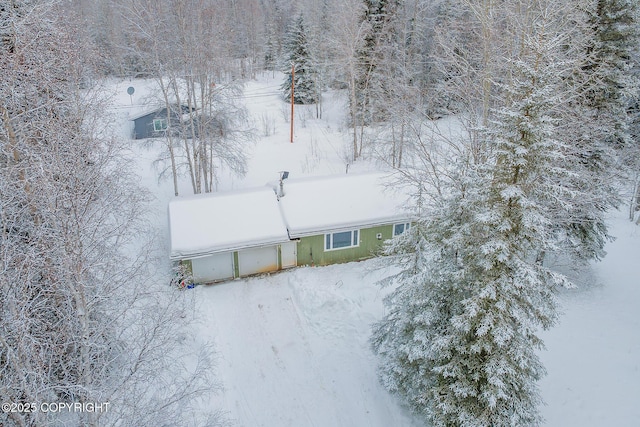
(213, 267)
(258, 260)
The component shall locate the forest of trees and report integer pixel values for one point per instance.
(546, 92)
(546, 95)
(84, 317)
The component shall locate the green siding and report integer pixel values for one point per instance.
(186, 263)
(279, 249)
(311, 249)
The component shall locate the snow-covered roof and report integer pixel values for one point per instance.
(157, 108)
(219, 222)
(317, 205)
(206, 224)
(145, 112)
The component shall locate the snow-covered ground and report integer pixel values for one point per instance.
(293, 347)
(294, 351)
(593, 355)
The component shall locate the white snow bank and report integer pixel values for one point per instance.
(206, 224)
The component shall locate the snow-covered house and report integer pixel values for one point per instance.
(309, 221)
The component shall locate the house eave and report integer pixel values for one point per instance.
(145, 114)
(295, 233)
(178, 255)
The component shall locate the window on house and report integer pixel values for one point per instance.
(341, 240)
(159, 125)
(398, 229)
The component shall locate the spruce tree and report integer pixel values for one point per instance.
(377, 18)
(614, 24)
(460, 339)
(305, 88)
(596, 121)
(271, 49)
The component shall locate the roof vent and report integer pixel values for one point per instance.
(283, 175)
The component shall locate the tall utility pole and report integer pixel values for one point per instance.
(293, 75)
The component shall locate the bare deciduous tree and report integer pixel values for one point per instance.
(82, 317)
(207, 126)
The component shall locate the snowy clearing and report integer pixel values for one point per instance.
(293, 347)
(593, 355)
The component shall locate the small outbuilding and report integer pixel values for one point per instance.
(156, 123)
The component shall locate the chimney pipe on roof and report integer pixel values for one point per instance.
(283, 175)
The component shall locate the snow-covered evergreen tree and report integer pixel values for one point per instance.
(633, 153)
(377, 18)
(595, 120)
(459, 342)
(305, 80)
(270, 53)
(613, 86)
(614, 94)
